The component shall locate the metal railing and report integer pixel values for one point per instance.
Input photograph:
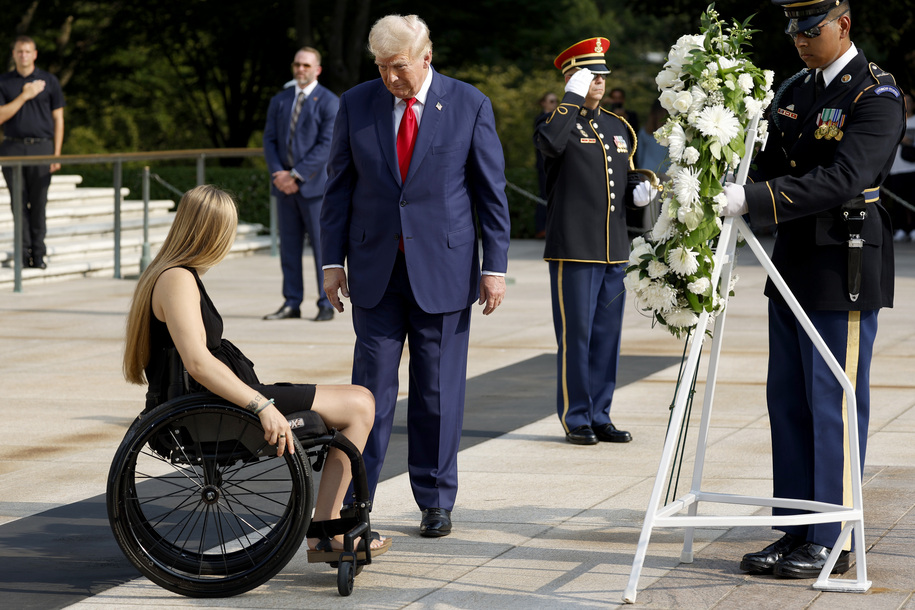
(118, 160)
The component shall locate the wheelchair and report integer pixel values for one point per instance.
(200, 503)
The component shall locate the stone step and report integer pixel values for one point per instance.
(89, 211)
(71, 247)
(59, 182)
(102, 264)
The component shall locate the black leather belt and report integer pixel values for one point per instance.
(28, 140)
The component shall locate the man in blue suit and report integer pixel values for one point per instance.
(296, 144)
(415, 166)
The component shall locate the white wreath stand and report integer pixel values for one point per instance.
(821, 512)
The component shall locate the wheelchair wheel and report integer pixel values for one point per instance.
(200, 503)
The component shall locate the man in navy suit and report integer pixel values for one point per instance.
(415, 167)
(296, 144)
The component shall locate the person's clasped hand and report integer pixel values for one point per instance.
(642, 194)
(580, 82)
(737, 200)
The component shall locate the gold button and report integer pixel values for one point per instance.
(793, 164)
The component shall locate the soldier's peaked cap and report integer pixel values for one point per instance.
(807, 13)
(585, 54)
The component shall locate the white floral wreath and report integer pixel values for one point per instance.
(712, 92)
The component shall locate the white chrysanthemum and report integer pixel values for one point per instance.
(699, 96)
(686, 186)
(667, 79)
(700, 286)
(769, 75)
(660, 296)
(683, 261)
(718, 122)
(690, 155)
(676, 142)
(721, 202)
(667, 99)
(657, 269)
(745, 82)
(683, 102)
(768, 98)
(681, 318)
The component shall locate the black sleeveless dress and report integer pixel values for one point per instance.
(290, 398)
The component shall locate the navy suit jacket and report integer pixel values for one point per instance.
(311, 144)
(457, 169)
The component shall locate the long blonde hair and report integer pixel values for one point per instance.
(200, 236)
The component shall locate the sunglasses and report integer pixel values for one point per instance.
(813, 32)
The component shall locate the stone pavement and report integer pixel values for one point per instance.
(539, 523)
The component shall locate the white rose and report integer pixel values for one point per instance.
(683, 102)
(667, 99)
(667, 79)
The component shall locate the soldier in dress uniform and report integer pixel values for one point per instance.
(833, 129)
(588, 155)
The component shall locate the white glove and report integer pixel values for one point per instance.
(580, 82)
(641, 194)
(737, 200)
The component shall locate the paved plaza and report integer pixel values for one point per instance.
(539, 523)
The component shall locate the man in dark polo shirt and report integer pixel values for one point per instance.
(32, 116)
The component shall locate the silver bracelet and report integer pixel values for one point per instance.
(263, 406)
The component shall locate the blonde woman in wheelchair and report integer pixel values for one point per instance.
(171, 308)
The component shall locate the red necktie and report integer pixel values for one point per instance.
(406, 138)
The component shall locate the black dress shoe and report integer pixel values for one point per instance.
(582, 435)
(436, 523)
(807, 561)
(324, 314)
(283, 313)
(763, 562)
(609, 434)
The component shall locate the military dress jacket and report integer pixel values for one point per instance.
(821, 153)
(587, 157)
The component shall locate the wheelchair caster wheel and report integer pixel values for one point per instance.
(345, 576)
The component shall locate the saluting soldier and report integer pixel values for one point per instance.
(588, 155)
(833, 129)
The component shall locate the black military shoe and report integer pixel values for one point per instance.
(808, 560)
(609, 434)
(763, 562)
(582, 435)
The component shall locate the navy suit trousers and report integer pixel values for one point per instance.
(435, 404)
(808, 412)
(297, 215)
(588, 304)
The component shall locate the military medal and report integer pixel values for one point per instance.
(829, 124)
(620, 143)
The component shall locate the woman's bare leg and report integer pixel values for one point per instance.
(351, 410)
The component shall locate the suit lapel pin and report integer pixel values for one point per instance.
(438, 105)
(846, 78)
